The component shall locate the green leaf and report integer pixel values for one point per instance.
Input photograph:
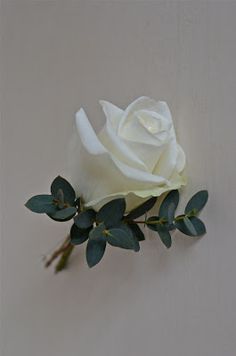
(137, 232)
(189, 226)
(197, 202)
(112, 212)
(169, 205)
(66, 187)
(77, 235)
(164, 236)
(42, 203)
(98, 232)
(122, 237)
(153, 223)
(85, 219)
(142, 209)
(128, 229)
(60, 196)
(63, 214)
(198, 225)
(95, 251)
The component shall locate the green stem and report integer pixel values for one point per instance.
(63, 261)
(58, 252)
(145, 222)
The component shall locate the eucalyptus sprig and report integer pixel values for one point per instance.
(111, 225)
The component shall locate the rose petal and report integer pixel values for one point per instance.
(118, 148)
(141, 103)
(112, 113)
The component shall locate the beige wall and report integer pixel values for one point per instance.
(57, 56)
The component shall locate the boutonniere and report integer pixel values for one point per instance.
(116, 177)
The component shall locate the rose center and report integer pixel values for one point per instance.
(153, 122)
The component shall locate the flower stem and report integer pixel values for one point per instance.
(63, 261)
(58, 252)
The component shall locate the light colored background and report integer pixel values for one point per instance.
(57, 56)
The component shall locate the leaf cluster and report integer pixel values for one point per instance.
(111, 225)
(60, 205)
(188, 223)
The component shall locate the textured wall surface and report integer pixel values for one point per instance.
(57, 56)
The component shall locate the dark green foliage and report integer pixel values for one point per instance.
(98, 232)
(137, 232)
(197, 202)
(95, 251)
(78, 236)
(153, 222)
(164, 235)
(156, 223)
(41, 204)
(64, 214)
(142, 209)
(85, 219)
(197, 226)
(169, 205)
(111, 213)
(61, 184)
(122, 237)
(111, 225)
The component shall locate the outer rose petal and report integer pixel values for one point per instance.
(112, 113)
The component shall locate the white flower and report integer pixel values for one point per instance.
(135, 155)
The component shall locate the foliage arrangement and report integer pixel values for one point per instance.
(111, 225)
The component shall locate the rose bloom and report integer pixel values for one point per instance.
(135, 155)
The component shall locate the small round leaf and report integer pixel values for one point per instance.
(197, 202)
(95, 251)
(122, 237)
(77, 235)
(112, 212)
(66, 187)
(169, 205)
(41, 204)
(85, 219)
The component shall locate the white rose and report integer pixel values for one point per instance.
(135, 155)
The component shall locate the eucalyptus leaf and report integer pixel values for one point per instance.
(153, 223)
(66, 187)
(199, 227)
(60, 196)
(95, 251)
(142, 209)
(77, 235)
(169, 205)
(41, 204)
(197, 202)
(129, 231)
(137, 232)
(64, 214)
(98, 232)
(85, 219)
(122, 237)
(164, 236)
(189, 226)
(112, 212)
